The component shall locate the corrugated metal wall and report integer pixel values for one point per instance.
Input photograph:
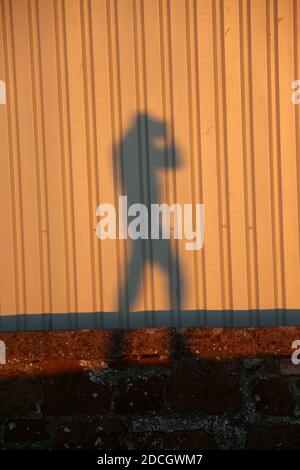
(91, 85)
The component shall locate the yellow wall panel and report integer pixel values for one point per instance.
(93, 89)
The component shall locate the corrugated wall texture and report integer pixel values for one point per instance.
(91, 85)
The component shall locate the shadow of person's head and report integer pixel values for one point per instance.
(160, 147)
(146, 149)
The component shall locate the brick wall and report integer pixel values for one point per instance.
(150, 389)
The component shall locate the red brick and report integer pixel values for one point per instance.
(253, 363)
(288, 368)
(208, 386)
(230, 343)
(139, 395)
(298, 386)
(148, 346)
(58, 367)
(279, 436)
(103, 434)
(271, 366)
(272, 396)
(17, 371)
(26, 347)
(176, 440)
(70, 391)
(151, 346)
(18, 396)
(21, 431)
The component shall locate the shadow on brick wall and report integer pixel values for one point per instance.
(150, 389)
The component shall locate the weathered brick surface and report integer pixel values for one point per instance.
(273, 396)
(71, 391)
(26, 430)
(176, 440)
(205, 386)
(18, 397)
(271, 366)
(153, 346)
(226, 343)
(288, 368)
(100, 434)
(232, 388)
(280, 436)
(139, 395)
(26, 347)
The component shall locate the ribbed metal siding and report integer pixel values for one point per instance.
(219, 75)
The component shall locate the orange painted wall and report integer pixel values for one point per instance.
(219, 75)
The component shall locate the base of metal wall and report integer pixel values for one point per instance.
(153, 319)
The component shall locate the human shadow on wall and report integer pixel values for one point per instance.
(143, 156)
(142, 162)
